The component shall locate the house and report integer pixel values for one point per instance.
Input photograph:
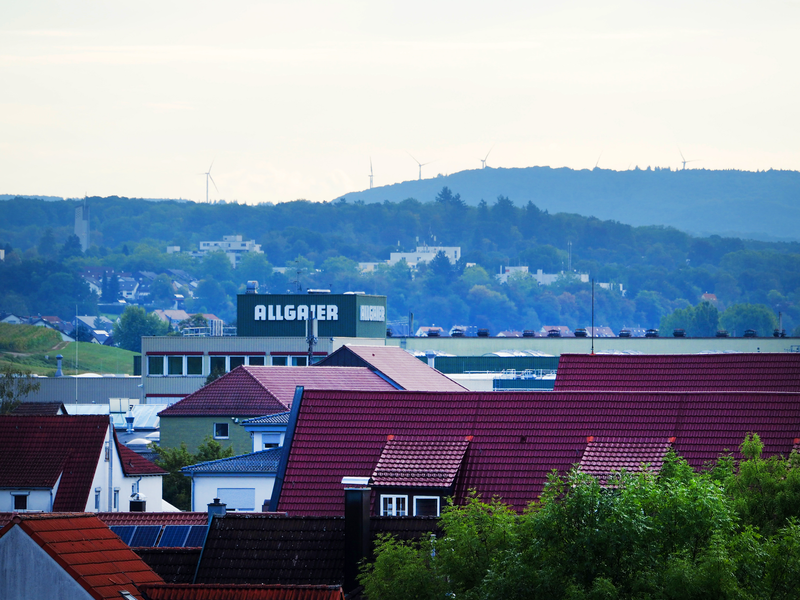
(425, 254)
(68, 557)
(432, 331)
(680, 372)
(12, 319)
(247, 392)
(400, 368)
(72, 464)
(243, 483)
(40, 409)
(416, 448)
(268, 431)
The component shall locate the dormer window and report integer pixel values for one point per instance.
(394, 506)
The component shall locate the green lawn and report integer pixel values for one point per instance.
(34, 349)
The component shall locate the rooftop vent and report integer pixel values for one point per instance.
(310, 291)
(750, 333)
(554, 333)
(624, 333)
(529, 333)
(722, 333)
(252, 287)
(678, 333)
(483, 333)
(651, 333)
(580, 332)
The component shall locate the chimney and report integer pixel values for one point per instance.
(431, 356)
(356, 528)
(59, 372)
(216, 508)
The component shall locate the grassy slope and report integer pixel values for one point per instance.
(35, 348)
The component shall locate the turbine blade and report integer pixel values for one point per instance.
(681, 153)
(212, 181)
(489, 152)
(415, 160)
(212, 164)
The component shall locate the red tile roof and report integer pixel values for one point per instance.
(604, 456)
(251, 391)
(135, 464)
(35, 451)
(406, 370)
(678, 372)
(419, 462)
(153, 518)
(243, 592)
(87, 549)
(518, 438)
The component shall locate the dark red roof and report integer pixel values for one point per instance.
(135, 464)
(173, 565)
(604, 456)
(243, 592)
(153, 518)
(40, 408)
(419, 462)
(86, 549)
(518, 438)
(680, 372)
(35, 451)
(251, 391)
(405, 369)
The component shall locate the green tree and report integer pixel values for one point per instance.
(161, 290)
(177, 488)
(739, 317)
(47, 245)
(15, 384)
(135, 323)
(71, 248)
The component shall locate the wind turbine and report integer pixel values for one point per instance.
(370, 172)
(483, 160)
(598, 159)
(208, 176)
(420, 164)
(684, 161)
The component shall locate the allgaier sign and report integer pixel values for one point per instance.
(337, 315)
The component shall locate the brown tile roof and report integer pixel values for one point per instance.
(680, 372)
(153, 518)
(404, 369)
(40, 408)
(173, 565)
(86, 549)
(135, 464)
(518, 437)
(604, 456)
(36, 451)
(244, 592)
(251, 391)
(406, 461)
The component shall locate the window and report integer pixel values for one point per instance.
(97, 498)
(238, 498)
(221, 431)
(20, 501)
(175, 365)
(394, 506)
(155, 365)
(236, 361)
(218, 364)
(116, 498)
(270, 440)
(279, 361)
(194, 365)
(299, 361)
(426, 506)
(257, 361)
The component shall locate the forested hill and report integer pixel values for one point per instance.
(758, 205)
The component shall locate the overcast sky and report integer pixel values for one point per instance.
(292, 99)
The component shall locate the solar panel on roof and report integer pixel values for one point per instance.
(125, 532)
(145, 536)
(196, 536)
(174, 536)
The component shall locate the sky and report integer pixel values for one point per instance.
(292, 100)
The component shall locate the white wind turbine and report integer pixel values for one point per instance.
(483, 160)
(370, 172)
(420, 164)
(208, 176)
(684, 161)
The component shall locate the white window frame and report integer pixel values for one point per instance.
(25, 495)
(438, 503)
(183, 366)
(116, 499)
(393, 511)
(222, 437)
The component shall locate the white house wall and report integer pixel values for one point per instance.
(27, 572)
(38, 500)
(205, 488)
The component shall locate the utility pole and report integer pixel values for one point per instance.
(311, 337)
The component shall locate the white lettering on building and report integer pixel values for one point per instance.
(301, 312)
(372, 313)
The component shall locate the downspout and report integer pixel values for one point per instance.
(287, 448)
(111, 446)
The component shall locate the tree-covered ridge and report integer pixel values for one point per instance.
(661, 269)
(729, 532)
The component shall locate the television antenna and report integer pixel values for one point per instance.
(684, 161)
(370, 172)
(483, 160)
(208, 176)
(420, 164)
